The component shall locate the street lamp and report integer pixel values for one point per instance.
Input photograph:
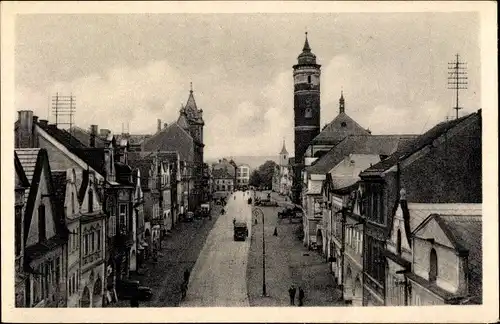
(258, 212)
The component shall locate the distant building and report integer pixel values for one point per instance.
(242, 176)
(223, 182)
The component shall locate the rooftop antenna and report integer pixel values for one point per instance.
(457, 78)
(64, 108)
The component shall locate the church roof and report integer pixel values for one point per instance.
(181, 121)
(340, 127)
(283, 149)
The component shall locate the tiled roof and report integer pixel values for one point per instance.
(20, 172)
(182, 122)
(144, 165)
(92, 156)
(421, 211)
(28, 157)
(417, 144)
(59, 182)
(340, 127)
(465, 231)
(360, 144)
(172, 138)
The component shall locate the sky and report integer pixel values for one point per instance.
(132, 69)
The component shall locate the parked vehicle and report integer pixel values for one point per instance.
(189, 216)
(144, 293)
(126, 289)
(205, 210)
(240, 231)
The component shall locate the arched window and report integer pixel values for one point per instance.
(398, 242)
(308, 79)
(433, 267)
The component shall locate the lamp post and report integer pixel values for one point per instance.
(258, 212)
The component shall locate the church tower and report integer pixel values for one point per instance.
(306, 76)
(283, 157)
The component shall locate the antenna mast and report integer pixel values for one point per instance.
(457, 78)
(64, 108)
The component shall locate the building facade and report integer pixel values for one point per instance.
(242, 176)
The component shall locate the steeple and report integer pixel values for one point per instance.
(307, 57)
(341, 103)
(306, 46)
(283, 149)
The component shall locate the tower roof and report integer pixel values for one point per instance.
(341, 103)
(283, 149)
(307, 57)
(191, 109)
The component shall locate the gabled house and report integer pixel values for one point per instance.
(21, 189)
(92, 248)
(66, 196)
(442, 166)
(447, 260)
(113, 179)
(400, 252)
(45, 235)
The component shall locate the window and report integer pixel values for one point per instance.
(398, 242)
(86, 244)
(123, 217)
(308, 113)
(91, 201)
(433, 268)
(99, 240)
(92, 239)
(72, 203)
(18, 226)
(308, 79)
(41, 222)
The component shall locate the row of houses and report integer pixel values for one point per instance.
(397, 217)
(91, 206)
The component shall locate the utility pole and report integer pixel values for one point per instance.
(256, 213)
(64, 108)
(457, 78)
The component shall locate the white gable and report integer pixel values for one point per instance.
(432, 230)
(96, 204)
(50, 225)
(71, 198)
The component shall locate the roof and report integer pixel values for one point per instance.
(346, 173)
(283, 149)
(27, 158)
(143, 165)
(93, 156)
(191, 110)
(221, 174)
(416, 144)
(59, 181)
(360, 144)
(20, 171)
(465, 232)
(84, 137)
(172, 138)
(340, 127)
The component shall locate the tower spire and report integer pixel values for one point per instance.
(283, 148)
(191, 87)
(306, 48)
(341, 102)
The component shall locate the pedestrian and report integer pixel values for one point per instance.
(186, 275)
(275, 231)
(292, 292)
(301, 296)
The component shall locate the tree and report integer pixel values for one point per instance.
(266, 171)
(255, 179)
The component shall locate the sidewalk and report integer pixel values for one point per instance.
(287, 262)
(179, 252)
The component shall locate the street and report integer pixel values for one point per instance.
(219, 275)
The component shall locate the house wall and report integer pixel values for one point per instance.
(73, 264)
(423, 297)
(448, 264)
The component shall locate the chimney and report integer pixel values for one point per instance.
(35, 119)
(25, 132)
(165, 125)
(43, 122)
(93, 134)
(159, 125)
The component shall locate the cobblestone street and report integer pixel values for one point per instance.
(287, 262)
(179, 252)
